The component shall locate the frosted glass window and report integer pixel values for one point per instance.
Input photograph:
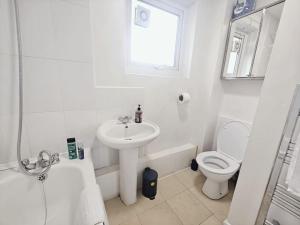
(155, 37)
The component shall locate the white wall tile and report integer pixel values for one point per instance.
(61, 29)
(37, 28)
(72, 30)
(8, 85)
(8, 139)
(110, 114)
(46, 131)
(119, 98)
(82, 125)
(7, 28)
(77, 86)
(42, 90)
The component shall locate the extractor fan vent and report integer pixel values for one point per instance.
(142, 16)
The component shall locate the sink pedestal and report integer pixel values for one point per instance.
(128, 138)
(128, 175)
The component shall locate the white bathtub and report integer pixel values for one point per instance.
(21, 197)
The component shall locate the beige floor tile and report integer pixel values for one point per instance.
(211, 221)
(118, 212)
(188, 208)
(190, 178)
(132, 221)
(159, 215)
(220, 207)
(143, 203)
(170, 186)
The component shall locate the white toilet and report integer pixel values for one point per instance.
(219, 166)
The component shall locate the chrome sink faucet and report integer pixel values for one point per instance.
(125, 119)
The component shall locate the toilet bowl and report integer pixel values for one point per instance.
(220, 165)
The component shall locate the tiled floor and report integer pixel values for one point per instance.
(179, 201)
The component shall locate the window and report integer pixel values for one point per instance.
(235, 54)
(155, 36)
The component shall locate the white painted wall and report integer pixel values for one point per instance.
(276, 96)
(215, 65)
(240, 98)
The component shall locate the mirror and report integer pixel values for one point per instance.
(250, 42)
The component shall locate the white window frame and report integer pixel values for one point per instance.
(144, 69)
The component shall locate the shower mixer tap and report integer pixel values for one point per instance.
(28, 165)
(42, 161)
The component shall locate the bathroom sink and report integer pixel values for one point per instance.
(127, 136)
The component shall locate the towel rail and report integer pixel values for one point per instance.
(267, 222)
(276, 194)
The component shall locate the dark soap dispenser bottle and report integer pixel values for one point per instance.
(138, 115)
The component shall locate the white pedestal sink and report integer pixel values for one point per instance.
(128, 138)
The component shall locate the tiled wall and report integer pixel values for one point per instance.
(60, 98)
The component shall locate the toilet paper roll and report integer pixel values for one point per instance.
(184, 98)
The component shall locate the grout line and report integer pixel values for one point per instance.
(211, 216)
(48, 58)
(176, 194)
(182, 222)
(188, 190)
(202, 203)
(139, 220)
(58, 59)
(165, 201)
(208, 208)
(172, 174)
(184, 184)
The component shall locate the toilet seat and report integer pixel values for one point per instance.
(219, 166)
(217, 163)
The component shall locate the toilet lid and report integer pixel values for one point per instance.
(232, 140)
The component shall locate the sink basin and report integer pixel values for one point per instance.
(128, 138)
(133, 135)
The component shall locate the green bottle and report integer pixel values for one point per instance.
(72, 149)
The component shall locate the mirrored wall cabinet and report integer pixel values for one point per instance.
(249, 43)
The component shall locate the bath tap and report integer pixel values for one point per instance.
(41, 162)
(125, 119)
(28, 165)
(52, 159)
